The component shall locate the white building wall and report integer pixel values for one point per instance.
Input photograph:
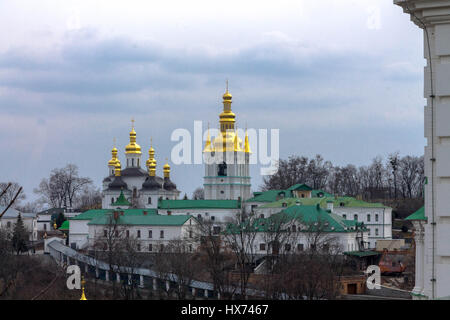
(435, 14)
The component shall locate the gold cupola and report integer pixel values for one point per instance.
(166, 169)
(133, 147)
(151, 162)
(225, 141)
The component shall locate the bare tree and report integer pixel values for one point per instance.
(62, 187)
(11, 190)
(198, 194)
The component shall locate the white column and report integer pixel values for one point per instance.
(141, 281)
(419, 274)
(433, 16)
(155, 284)
(106, 275)
(118, 277)
(96, 272)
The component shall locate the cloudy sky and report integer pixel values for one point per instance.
(342, 78)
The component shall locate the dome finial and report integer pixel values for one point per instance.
(83, 282)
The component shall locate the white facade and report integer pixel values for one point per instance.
(433, 264)
(377, 220)
(79, 233)
(150, 237)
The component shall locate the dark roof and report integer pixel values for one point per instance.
(151, 183)
(52, 211)
(169, 185)
(133, 172)
(117, 184)
(107, 179)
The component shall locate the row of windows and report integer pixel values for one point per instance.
(150, 247)
(287, 247)
(355, 217)
(132, 162)
(138, 234)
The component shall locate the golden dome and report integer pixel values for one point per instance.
(166, 169)
(133, 147)
(113, 161)
(227, 96)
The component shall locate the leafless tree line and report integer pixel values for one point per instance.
(392, 178)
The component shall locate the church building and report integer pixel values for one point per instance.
(134, 187)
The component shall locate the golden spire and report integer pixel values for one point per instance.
(166, 169)
(208, 146)
(237, 143)
(133, 147)
(151, 162)
(83, 296)
(246, 143)
(227, 117)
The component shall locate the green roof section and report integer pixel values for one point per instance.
(418, 215)
(91, 214)
(121, 200)
(348, 202)
(361, 254)
(274, 195)
(64, 226)
(313, 218)
(144, 220)
(316, 216)
(198, 204)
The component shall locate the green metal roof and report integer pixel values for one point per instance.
(274, 195)
(313, 217)
(418, 215)
(121, 200)
(64, 226)
(361, 254)
(199, 204)
(90, 214)
(144, 220)
(348, 202)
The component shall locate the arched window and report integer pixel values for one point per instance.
(132, 162)
(222, 169)
(149, 200)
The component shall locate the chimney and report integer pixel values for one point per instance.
(145, 213)
(298, 203)
(330, 205)
(116, 215)
(284, 204)
(121, 213)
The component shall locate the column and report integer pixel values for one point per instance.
(141, 281)
(106, 275)
(155, 284)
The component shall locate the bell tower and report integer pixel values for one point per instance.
(227, 172)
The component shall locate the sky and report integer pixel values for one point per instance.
(340, 78)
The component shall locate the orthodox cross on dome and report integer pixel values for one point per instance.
(132, 123)
(227, 85)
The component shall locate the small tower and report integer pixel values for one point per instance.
(227, 162)
(83, 296)
(133, 150)
(114, 160)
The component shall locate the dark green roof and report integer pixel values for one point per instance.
(274, 195)
(64, 226)
(361, 254)
(313, 217)
(337, 202)
(90, 214)
(418, 215)
(148, 220)
(121, 200)
(299, 186)
(198, 204)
